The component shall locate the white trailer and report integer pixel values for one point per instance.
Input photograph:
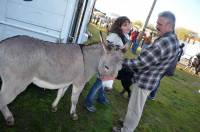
(50, 20)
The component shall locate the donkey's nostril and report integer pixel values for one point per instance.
(106, 68)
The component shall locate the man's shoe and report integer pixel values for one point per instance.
(116, 129)
(91, 108)
(151, 98)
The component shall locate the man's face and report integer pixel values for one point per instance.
(163, 26)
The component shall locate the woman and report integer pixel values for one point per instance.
(118, 36)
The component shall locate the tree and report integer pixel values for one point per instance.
(138, 23)
(152, 27)
(182, 33)
(198, 39)
(186, 34)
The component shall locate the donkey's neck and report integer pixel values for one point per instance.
(91, 56)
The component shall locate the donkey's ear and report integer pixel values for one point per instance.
(101, 36)
(103, 42)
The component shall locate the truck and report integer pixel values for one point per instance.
(59, 21)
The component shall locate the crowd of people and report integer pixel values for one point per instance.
(158, 58)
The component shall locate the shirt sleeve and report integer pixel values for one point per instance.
(114, 39)
(150, 56)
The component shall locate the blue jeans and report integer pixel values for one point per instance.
(144, 46)
(135, 46)
(153, 93)
(97, 87)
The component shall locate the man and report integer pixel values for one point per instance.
(150, 66)
(170, 72)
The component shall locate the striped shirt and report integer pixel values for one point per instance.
(153, 62)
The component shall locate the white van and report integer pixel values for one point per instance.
(191, 50)
(50, 20)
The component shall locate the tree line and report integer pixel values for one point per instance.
(182, 33)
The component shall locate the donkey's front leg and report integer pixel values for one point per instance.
(74, 99)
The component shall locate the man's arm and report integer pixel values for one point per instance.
(150, 56)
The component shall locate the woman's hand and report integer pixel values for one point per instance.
(125, 48)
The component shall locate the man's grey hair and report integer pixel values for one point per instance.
(169, 16)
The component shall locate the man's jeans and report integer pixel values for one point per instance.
(153, 93)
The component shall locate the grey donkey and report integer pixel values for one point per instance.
(25, 60)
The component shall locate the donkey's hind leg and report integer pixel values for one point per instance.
(10, 89)
(60, 94)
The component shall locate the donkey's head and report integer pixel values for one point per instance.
(110, 62)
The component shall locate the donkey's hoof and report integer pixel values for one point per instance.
(54, 109)
(10, 121)
(74, 117)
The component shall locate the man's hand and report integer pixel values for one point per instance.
(127, 62)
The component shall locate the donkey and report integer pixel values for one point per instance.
(194, 64)
(25, 60)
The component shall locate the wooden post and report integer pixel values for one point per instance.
(148, 17)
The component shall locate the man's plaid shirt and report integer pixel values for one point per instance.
(153, 62)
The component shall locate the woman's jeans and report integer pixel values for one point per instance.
(97, 87)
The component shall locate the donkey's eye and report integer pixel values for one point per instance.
(106, 67)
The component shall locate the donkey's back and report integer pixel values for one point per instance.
(33, 59)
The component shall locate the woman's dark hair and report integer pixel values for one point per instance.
(116, 27)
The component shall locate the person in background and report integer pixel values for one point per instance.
(118, 36)
(149, 67)
(147, 41)
(133, 38)
(97, 20)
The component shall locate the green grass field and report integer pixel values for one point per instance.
(176, 108)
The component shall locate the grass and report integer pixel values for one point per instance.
(92, 28)
(176, 108)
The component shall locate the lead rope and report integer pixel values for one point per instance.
(81, 47)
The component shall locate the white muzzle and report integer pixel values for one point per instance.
(108, 84)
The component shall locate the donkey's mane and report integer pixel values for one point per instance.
(10, 38)
(44, 42)
(26, 37)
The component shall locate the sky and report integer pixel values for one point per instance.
(187, 12)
